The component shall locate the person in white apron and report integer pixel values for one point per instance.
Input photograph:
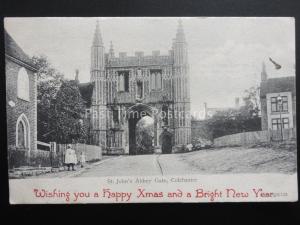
(70, 157)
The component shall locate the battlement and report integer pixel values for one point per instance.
(139, 59)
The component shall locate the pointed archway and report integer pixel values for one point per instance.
(134, 114)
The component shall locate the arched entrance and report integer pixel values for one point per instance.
(135, 114)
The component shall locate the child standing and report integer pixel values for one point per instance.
(82, 159)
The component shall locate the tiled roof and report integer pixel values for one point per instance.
(86, 91)
(13, 49)
(276, 85)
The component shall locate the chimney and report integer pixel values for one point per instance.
(237, 102)
(264, 75)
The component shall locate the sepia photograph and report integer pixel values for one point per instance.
(154, 101)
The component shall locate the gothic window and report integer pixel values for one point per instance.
(139, 93)
(165, 114)
(22, 132)
(152, 81)
(115, 115)
(123, 79)
(139, 73)
(23, 84)
(156, 79)
(21, 135)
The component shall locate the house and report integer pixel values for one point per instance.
(278, 102)
(21, 103)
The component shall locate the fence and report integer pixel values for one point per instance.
(92, 152)
(43, 156)
(255, 137)
(49, 154)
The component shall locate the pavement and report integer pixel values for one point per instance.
(210, 161)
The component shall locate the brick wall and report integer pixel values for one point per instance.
(21, 106)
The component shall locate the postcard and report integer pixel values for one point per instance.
(151, 109)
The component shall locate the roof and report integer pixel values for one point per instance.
(276, 85)
(14, 50)
(86, 91)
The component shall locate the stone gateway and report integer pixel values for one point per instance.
(127, 88)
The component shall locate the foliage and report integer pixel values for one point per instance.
(69, 114)
(48, 83)
(145, 134)
(252, 100)
(244, 119)
(60, 107)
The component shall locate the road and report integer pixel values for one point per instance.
(138, 165)
(225, 160)
(212, 161)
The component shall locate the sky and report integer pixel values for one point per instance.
(225, 54)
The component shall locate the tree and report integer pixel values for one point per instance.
(60, 108)
(252, 100)
(69, 114)
(48, 83)
(244, 119)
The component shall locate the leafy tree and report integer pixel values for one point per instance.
(48, 84)
(69, 114)
(244, 119)
(252, 100)
(60, 107)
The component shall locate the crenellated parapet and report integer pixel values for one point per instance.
(139, 60)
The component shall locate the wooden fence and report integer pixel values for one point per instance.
(255, 137)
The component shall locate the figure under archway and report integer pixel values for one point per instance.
(166, 141)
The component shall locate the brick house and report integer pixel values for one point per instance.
(21, 104)
(271, 108)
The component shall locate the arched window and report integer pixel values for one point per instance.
(23, 84)
(23, 132)
(165, 114)
(158, 81)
